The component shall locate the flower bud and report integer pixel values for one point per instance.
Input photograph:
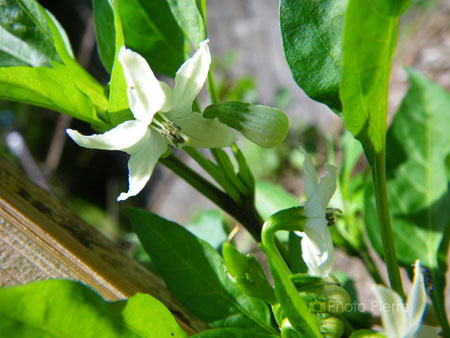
(329, 326)
(237, 264)
(263, 125)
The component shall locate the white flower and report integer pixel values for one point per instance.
(162, 115)
(400, 320)
(317, 246)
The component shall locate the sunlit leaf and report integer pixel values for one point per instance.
(62, 308)
(312, 42)
(193, 272)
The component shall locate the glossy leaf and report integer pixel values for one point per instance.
(25, 37)
(49, 88)
(193, 272)
(62, 308)
(418, 144)
(151, 30)
(189, 19)
(370, 36)
(312, 42)
(231, 333)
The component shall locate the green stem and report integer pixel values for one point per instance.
(214, 172)
(384, 220)
(248, 217)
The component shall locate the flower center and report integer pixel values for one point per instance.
(169, 130)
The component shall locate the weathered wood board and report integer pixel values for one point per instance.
(41, 239)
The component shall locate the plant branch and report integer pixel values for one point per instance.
(244, 214)
(384, 221)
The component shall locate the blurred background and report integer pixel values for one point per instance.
(249, 65)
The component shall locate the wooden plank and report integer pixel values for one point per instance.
(42, 239)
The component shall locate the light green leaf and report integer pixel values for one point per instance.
(370, 36)
(49, 88)
(151, 30)
(189, 19)
(418, 143)
(209, 225)
(193, 272)
(25, 37)
(312, 42)
(270, 198)
(62, 308)
(231, 333)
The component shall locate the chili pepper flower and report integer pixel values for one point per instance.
(317, 246)
(163, 116)
(404, 320)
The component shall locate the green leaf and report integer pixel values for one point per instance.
(312, 42)
(231, 333)
(193, 272)
(49, 88)
(270, 198)
(34, 35)
(209, 225)
(151, 30)
(189, 19)
(370, 36)
(105, 32)
(62, 308)
(418, 144)
(110, 39)
(25, 37)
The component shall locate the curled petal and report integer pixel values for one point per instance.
(417, 299)
(205, 133)
(145, 96)
(327, 185)
(393, 312)
(142, 163)
(189, 80)
(122, 137)
(311, 180)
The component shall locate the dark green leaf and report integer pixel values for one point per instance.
(62, 308)
(49, 88)
(189, 19)
(25, 37)
(312, 42)
(370, 36)
(418, 143)
(231, 333)
(105, 32)
(193, 272)
(151, 30)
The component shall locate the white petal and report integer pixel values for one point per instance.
(393, 312)
(327, 185)
(145, 96)
(142, 163)
(189, 80)
(205, 133)
(417, 300)
(122, 137)
(317, 251)
(311, 181)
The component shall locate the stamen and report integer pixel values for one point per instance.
(170, 130)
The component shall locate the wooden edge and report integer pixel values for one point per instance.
(40, 239)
